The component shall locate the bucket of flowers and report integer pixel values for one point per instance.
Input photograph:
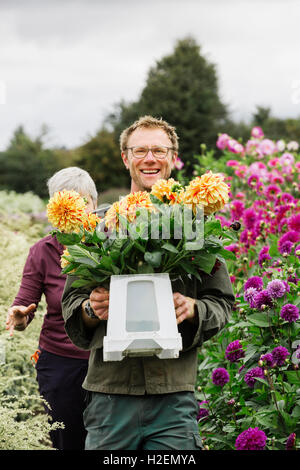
(170, 233)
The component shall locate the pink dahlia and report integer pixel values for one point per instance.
(280, 353)
(251, 439)
(294, 223)
(220, 376)
(290, 313)
(257, 132)
(254, 281)
(267, 147)
(234, 351)
(252, 375)
(222, 141)
(234, 146)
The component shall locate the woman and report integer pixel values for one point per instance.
(61, 366)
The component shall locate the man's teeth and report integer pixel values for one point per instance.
(150, 172)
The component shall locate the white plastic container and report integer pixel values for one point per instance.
(141, 318)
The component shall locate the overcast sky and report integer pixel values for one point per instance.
(65, 63)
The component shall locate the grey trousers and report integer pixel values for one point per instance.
(147, 422)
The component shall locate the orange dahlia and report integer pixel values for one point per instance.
(63, 261)
(168, 191)
(127, 207)
(112, 216)
(208, 190)
(134, 201)
(91, 221)
(66, 211)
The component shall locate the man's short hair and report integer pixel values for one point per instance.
(73, 178)
(149, 122)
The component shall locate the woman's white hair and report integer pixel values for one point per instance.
(73, 178)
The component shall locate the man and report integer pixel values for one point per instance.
(145, 402)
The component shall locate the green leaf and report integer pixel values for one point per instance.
(170, 247)
(205, 261)
(189, 268)
(68, 239)
(259, 319)
(81, 283)
(154, 258)
(292, 377)
(212, 226)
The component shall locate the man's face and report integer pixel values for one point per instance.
(146, 171)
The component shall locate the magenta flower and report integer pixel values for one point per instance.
(252, 374)
(202, 412)
(222, 141)
(290, 313)
(287, 198)
(249, 218)
(272, 191)
(220, 376)
(268, 359)
(253, 180)
(279, 355)
(254, 281)
(234, 351)
(286, 247)
(292, 236)
(234, 146)
(276, 288)
(263, 299)
(294, 223)
(291, 441)
(257, 132)
(263, 255)
(237, 209)
(251, 439)
(232, 163)
(250, 295)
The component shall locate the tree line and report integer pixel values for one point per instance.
(181, 87)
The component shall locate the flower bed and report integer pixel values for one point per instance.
(248, 378)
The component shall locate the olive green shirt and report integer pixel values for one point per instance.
(151, 375)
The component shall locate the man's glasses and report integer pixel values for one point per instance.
(159, 152)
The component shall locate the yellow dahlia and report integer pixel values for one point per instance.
(169, 191)
(127, 207)
(63, 261)
(134, 201)
(209, 190)
(91, 221)
(112, 216)
(66, 211)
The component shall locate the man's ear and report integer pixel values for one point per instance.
(174, 157)
(125, 159)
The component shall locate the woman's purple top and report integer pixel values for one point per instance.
(42, 275)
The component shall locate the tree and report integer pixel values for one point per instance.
(182, 88)
(26, 164)
(101, 157)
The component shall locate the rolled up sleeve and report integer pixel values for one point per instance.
(82, 337)
(214, 301)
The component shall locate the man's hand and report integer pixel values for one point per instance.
(99, 299)
(17, 317)
(184, 307)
